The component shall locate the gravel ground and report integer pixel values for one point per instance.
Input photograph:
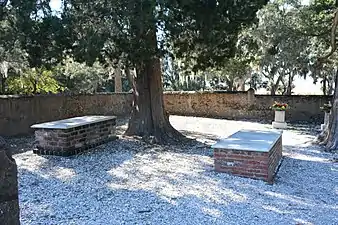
(130, 182)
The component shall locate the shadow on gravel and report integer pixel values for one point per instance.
(128, 181)
(304, 129)
(200, 136)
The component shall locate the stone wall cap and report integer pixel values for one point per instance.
(250, 140)
(72, 122)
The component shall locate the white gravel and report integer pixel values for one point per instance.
(128, 182)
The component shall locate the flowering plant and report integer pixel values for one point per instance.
(277, 106)
(326, 107)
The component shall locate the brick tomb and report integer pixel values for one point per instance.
(249, 153)
(74, 135)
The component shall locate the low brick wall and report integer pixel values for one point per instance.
(67, 142)
(251, 164)
(245, 106)
(18, 113)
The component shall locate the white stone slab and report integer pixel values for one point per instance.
(72, 122)
(279, 125)
(250, 140)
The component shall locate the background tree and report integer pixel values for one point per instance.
(330, 136)
(12, 56)
(79, 77)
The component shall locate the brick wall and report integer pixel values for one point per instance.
(243, 105)
(275, 156)
(18, 113)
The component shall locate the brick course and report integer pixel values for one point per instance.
(18, 113)
(66, 142)
(252, 164)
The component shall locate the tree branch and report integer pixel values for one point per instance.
(333, 38)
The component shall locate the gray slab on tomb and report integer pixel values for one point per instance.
(72, 122)
(250, 140)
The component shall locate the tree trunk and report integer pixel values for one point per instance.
(149, 118)
(3, 85)
(289, 87)
(242, 86)
(34, 87)
(275, 86)
(9, 203)
(329, 137)
(229, 83)
(118, 79)
(324, 85)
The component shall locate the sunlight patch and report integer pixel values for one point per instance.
(275, 209)
(303, 222)
(32, 163)
(287, 197)
(309, 158)
(64, 174)
(212, 212)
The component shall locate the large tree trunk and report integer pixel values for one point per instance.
(330, 136)
(149, 118)
(9, 203)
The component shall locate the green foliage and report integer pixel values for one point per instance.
(286, 42)
(12, 57)
(203, 30)
(79, 77)
(33, 81)
(235, 72)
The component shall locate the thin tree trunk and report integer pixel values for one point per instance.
(274, 87)
(3, 85)
(324, 85)
(34, 82)
(118, 79)
(289, 87)
(242, 86)
(230, 83)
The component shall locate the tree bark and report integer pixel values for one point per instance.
(325, 85)
(9, 203)
(149, 118)
(289, 87)
(330, 136)
(118, 79)
(3, 83)
(274, 87)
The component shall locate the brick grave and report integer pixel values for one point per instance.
(74, 135)
(249, 153)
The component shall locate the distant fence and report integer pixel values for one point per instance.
(18, 113)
